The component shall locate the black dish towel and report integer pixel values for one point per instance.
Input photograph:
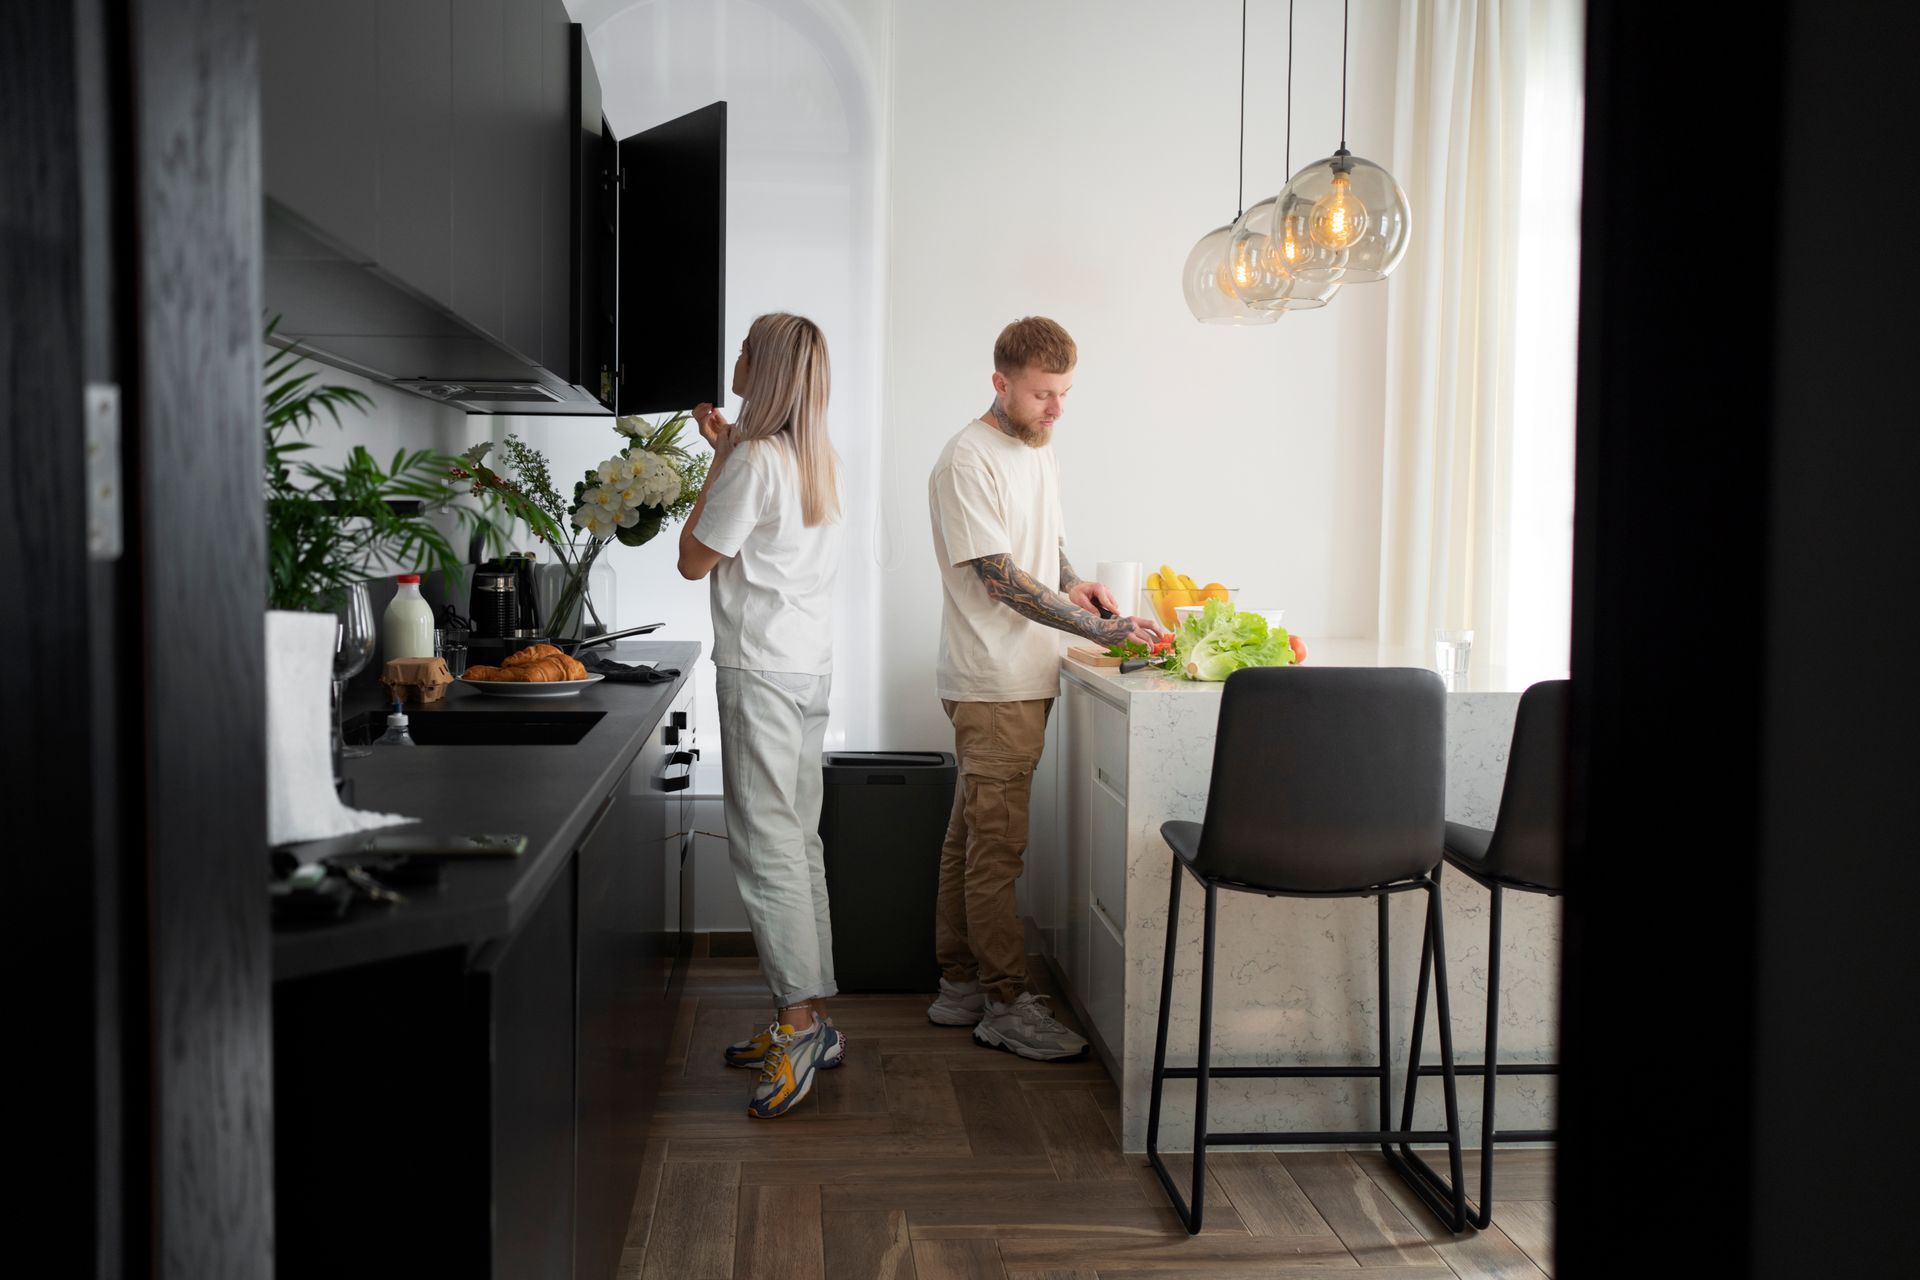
(634, 674)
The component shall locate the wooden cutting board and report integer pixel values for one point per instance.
(1086, 655)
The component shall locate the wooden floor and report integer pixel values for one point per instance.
(928, 1157)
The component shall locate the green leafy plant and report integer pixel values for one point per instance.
(331, 526)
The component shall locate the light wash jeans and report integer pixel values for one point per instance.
(773, 728)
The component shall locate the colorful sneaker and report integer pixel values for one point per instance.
(1026, 1028)
(752, 1051)
(959, 1004)
(787, 1071)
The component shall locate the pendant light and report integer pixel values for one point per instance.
(1265, 251)
(1208, 279)
(1352, 209)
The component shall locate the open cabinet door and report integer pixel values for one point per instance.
(673, 264)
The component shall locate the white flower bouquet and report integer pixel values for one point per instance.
(629, 498)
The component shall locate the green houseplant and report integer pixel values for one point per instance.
(331, 526)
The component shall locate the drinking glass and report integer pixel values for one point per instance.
(352, 649)
(1451, 652)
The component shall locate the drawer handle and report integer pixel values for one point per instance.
(682, 757)
(676, 784)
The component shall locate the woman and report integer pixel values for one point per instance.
(766, 527)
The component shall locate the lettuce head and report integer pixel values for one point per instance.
(1219, 641)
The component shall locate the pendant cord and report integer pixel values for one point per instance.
(1346, 16)
(1240, 192)
(1288, 175)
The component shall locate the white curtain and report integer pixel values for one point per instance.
(1477, 500)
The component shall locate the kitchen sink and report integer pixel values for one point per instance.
(488, 728)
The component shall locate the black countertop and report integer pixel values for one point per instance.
(547, 793)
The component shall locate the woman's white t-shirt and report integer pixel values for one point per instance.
(773, 596)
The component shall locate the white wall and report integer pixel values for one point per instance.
(804, 83)
(1062, 159)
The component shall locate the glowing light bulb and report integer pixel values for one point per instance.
(1292, 241)
(1240, 270)
(1338, 217)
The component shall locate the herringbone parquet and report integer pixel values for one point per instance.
(928, 1158)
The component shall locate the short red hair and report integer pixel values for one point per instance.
(1034, 342)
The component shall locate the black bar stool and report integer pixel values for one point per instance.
(1525, 851)
(1328, 782)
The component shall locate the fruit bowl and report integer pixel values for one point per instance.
(1164, 603)
(1185, 611)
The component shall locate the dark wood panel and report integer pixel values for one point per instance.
(68, 1135)
(197, 197)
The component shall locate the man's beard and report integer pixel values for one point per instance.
(1035, 434)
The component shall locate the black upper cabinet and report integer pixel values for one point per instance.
(673, 269)
(416, 53)
(320, 116)
(447, 212)
(479, 239)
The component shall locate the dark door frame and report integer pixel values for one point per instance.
(133, 690)
(1737, 1024)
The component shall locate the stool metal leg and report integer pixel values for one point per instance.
(1386, 1031)
(1188, 1217)
(1446, 1198)
(1489, 1069)
(1491, 1057)
(1190, 1213)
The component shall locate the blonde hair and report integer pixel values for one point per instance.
(1034, 342)
(786, 398)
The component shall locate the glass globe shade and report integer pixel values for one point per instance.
(1261, 256)
(1209, 286)
(1352, 209)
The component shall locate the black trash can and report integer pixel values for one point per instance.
(882, 821)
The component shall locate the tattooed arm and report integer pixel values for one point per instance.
(1021, 592)
(1091, 596)
(1068, 578)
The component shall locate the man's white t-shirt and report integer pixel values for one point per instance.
(773, 599)
(992, 494)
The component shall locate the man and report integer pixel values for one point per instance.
(1008, 587)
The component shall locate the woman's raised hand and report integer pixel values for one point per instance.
(714, 427)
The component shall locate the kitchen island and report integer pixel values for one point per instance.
(1295, 977)
(463, 1082)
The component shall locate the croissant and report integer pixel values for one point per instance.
(503, 675)
(532, 653)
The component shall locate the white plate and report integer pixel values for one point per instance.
(531, 689)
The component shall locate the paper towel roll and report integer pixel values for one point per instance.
(301, 801)
(1123, 579)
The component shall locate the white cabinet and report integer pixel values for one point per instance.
(1076, 800)
(1093, 842)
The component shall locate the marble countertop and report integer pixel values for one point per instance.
(1325, 653)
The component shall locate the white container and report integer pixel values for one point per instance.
(406, 628)
(1122, 578)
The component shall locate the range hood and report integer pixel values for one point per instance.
(344, 311)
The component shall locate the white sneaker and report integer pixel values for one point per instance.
(959, 1004)
(1026, 1028)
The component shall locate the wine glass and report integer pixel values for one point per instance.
(352, 648)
